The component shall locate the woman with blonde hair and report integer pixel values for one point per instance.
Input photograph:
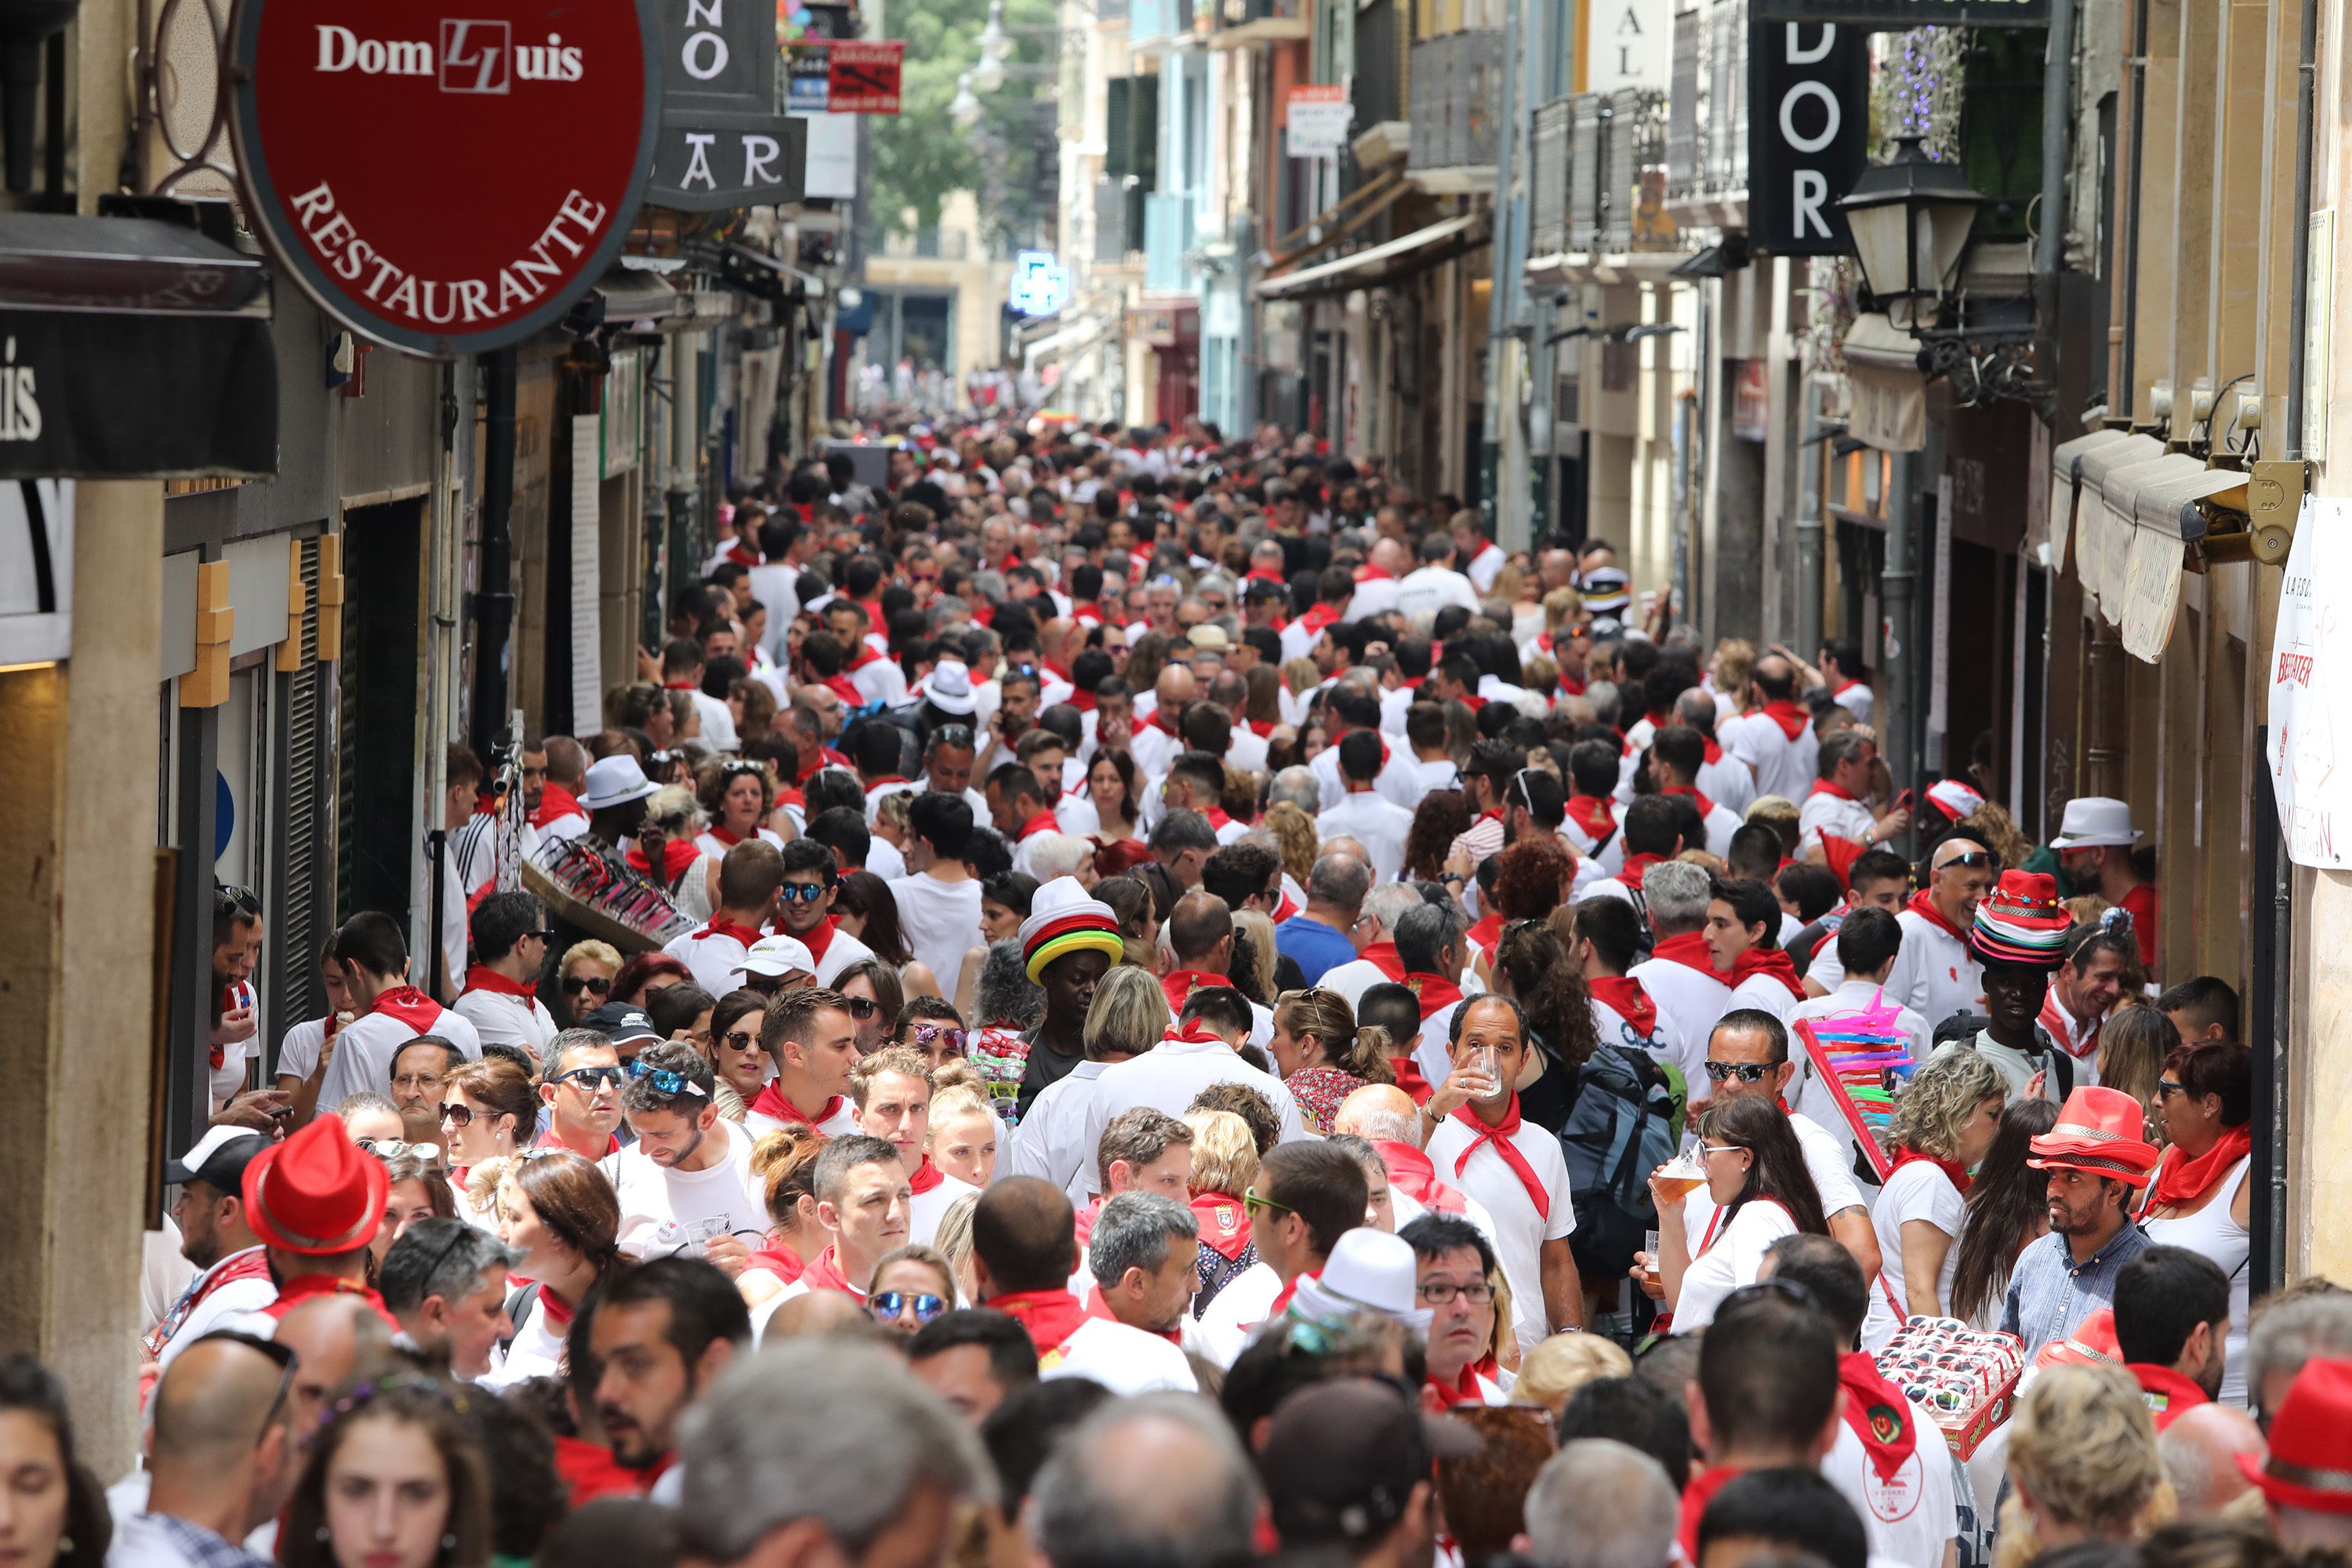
(1557, 1368)
(2133, 1044)
(1943, 1125)
(1257, 982)
(1734, 663)
(1322, 1056)
(1294, 838)
(965, 1131)
(953, 1239)
(2082, 1463)
(1127, 1016)
(785, 1164)
(1225, 1164)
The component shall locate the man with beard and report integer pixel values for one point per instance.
(2098, 1162)
(2173, 1323)
(686, 1185)
(661, 1333)
(232, 1274)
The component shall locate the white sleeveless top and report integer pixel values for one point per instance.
(2215, 1232)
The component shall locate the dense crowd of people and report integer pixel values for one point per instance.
(1120, 998)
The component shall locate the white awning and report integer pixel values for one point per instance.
(1363, 261)
(1888, 395)
(2065, 485)
(2119, 492)
(2093, 517)
(1079, 334)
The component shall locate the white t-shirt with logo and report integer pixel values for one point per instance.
(1910, 1516)
(665, 1212)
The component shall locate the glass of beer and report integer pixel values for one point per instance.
(1680, 1176)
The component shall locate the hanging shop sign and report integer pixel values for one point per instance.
(842, 75)
(1315, 119)
(352, 135)
(1809, 92)
(2310, 756)
(1875, 16)
(723, 145)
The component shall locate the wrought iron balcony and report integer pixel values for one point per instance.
(1454, 88)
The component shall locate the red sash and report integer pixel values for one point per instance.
(1319, 616)
(415, 1010)
(1487, 932)
(590, 1471)
(1464, 1389)
(308, 1287)
(724, 835)
(1042, 822)
(819, 937)
(1623, 995)
(1696, 1494)
(555, 803)
(251, 1264)
(1706, 807)
(1499, 1135)
(1409, 1078)
(1877, 1414)
(781, 1261)
(677, 853)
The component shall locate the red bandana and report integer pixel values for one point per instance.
(1464, 1389)
(1050, 1316)
(1487, 932)
(1877, 1413)
(1714, 753)
(846, 688)
(1321, 616)
(1435, 992)
(1637, 866)
(1499, 1135)
(1409, 1078)
(1696, 1494)
(825, 1273)
(927, 1176)
(1834, 791)
(1042, 822)
(1369, 574)
(1772, 960)
(724, 835)
(819, 937)
(1224, 1223)
(2182, 1181)
(1953, 1169)
(1592, 813)
(747, 935)
(1413, 1173)
(1382, 956)
(1623, 995)
(677, 853)
(1181, 984)
(415, 1009)
(771, 1102)
(1706, 807)
(1791, 717)
(1924, 908)
(304, 1287)
(1689, 950)
(2170, 1395)
(555, 803)
(479, 978)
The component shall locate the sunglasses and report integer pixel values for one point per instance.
(1253, 1204)
(799, 892)
(863, 1008)
(1973, 857)
(396, 1147)
(667, 1081)
(2165, 1086)
(458, 1115)
(924, 1033)
(889, 1304)
(737, 1040)
(575, 984)
(1746, 1072)
(593, 1079)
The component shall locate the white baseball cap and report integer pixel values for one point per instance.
(1369, 1270)
(777, 955)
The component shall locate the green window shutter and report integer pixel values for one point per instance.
(1117, 109)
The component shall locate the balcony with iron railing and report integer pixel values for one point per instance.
(1707, 133)
(1453, 85)
(1241, 23)
(1598, 177)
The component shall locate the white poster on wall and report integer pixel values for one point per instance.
(587, 539)
(1627, 43)
(2310, 705)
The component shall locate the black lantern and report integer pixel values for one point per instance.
(1910, 220)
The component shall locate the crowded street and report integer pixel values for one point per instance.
(1074, 784)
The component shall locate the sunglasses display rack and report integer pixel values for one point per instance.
(1864, 1061)
(1965, 1378)
(601, 895)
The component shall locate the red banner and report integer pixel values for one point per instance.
(865, 75)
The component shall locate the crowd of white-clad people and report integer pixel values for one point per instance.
(1123, 997)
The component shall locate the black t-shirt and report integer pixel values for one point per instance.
(1046, 1068)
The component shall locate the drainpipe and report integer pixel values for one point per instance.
(1899, 588)
(1498, 305)
(1809, 517)
(2057, 94)
(494, 600)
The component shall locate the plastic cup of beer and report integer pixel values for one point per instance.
(1680, 1176)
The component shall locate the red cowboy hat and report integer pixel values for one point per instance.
(2099, 1131)
(2311, 1442)
(317, 1193)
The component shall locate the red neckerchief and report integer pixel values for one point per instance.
(1689, 950)
(1487, 932)
(771, 1102)
(1706, 807)
(1834, 791)
(1319, 616)
(1924, 908)
(1368, 573)
(677, 853)
(1658, 720)
(590, 1471)
(825, 1274)
(1696, 1494)
(1182, 983)
(1084, 702)
(1499, 1135)
(555, 803)
(253, 1263)
(305, 1287)
(720, 832)
(1413, 1173)
(864, 656)
(1435, 992)
(1284, 910)
(1050, 1316)
(1160, 722)
(2182, 1181)
(1224, 1225)
(480, 978)
(1042, 822)
(1714, 753)
(2166, 1392)
(1409, 1078)
(819, 937)
(1097, 1308)
(1218, 820)
(1877, 1414)
(1772, 960)
(1953, 1169)
(679, 686)
(1281, 1302)
(1638, 866)
(927, 1176)
(557, 1311)
(1843, 687)
(553, 1139)
(743, 554)
(2056, 1018)
(844, 688)
(1265, 574)
(1623, 995)
(1592, 813)
(1464, 1389)
(747, 935)
(782, 1261)
(1382, 956)
(1083, 1222)
(1791, 717)
(415, 1010)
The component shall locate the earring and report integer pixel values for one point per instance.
(449, 1542)
(321, 1532)
(65, 1545)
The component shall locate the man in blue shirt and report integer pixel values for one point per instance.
(2098, 1162)
(1319, 938)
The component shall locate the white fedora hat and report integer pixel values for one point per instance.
(2094, 821)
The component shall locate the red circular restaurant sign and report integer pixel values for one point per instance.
(446, 176)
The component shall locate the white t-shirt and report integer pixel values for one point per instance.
(1935, 974)
(1829, 1161)
(1124, 1360)
(1235, 1315)
(1911, 1516)
(1520, 1229)
(502, 1019)
(1691, 1002)
(661, 1208)
(1765, 993)
(1168, 1076)
(940, 920)
(1665, 1044)
(1398, 783)
(712, 957)
(839, 954)
(299, 1048)
(366, 1047)
(1918, 1190)
(1380, 824)
(1051, 1141)
(219, 1307)
(1731, 1258)
(536, 1349)
(930, 1207)
(1782, 766)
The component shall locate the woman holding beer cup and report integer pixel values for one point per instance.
(1753, 1190)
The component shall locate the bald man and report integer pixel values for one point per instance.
(820, 1312)
(335, 1339)
(2200, 1449)
(1775, 737)
(1377, 579)
(1383, 1116)
(223, 1457)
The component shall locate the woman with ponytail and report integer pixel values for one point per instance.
(1323, 1056)
(562, 1213)
(785, 1164)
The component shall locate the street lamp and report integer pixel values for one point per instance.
(989, 75)
(965, 110)
(1910, 219)
(994, 43)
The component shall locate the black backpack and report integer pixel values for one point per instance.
(1627, 1121)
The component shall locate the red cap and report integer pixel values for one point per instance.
(317, 1193)
(2310, 1460)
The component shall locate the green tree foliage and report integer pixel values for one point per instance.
(920, 154)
